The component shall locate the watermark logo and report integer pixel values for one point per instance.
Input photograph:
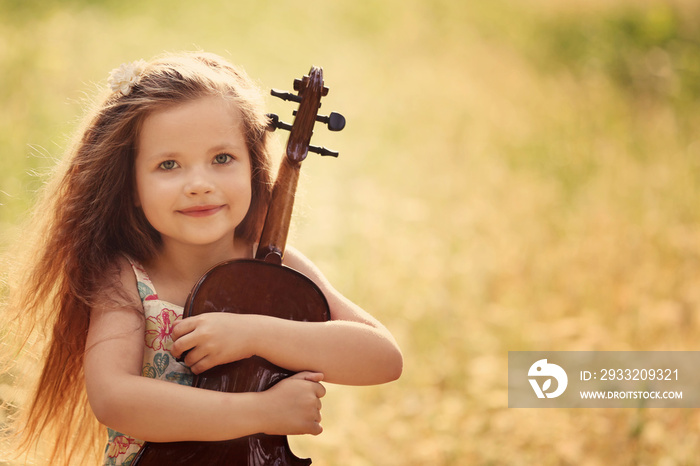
(541, 369)
(603, 379)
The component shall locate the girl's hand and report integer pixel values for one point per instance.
(213, 338)
(295, 405)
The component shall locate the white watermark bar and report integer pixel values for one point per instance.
(603, 379)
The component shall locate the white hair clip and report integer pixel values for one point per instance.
(125, 77)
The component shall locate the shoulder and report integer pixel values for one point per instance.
(118, 286)
(341, 307)
(124, 270)
(293, 258)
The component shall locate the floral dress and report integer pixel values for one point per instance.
(158, 363)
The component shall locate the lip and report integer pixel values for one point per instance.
(201, 210)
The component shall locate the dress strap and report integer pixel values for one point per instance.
(146, 290)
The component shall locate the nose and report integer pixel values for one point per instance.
(198, 183)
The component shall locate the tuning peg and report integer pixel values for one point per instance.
(285, 95)
(335, 121)
(276, 123)
(323, 151)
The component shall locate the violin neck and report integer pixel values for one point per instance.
(279, 214)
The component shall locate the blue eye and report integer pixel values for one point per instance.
(222, 158)
(168, 165)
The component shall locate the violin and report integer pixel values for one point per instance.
(258, 286)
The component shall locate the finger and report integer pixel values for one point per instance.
(192, 356)
(202, 365)
(310, 376)
(182, 345)
(182, 327)
(320, 391)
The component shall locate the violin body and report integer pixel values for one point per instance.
(244, 287)
(260, 286)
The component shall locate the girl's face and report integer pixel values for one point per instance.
(193, 172)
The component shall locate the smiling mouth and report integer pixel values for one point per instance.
(201, 211)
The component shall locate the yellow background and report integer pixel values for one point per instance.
(514, 175)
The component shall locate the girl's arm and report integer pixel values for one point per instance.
(351, 349)
(161, 411)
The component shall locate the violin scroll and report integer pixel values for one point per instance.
(310, 84)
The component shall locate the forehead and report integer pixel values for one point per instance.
(213, 119)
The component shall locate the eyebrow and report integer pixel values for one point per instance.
(222, 147)
(226, 146)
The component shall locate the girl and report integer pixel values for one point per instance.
(171, 175)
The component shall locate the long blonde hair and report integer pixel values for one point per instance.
(86, 218)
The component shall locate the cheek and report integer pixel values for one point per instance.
(149, 198)
(243, 190)
(243, 195)
(151, 201)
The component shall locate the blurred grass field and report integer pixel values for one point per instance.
(513, 176)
